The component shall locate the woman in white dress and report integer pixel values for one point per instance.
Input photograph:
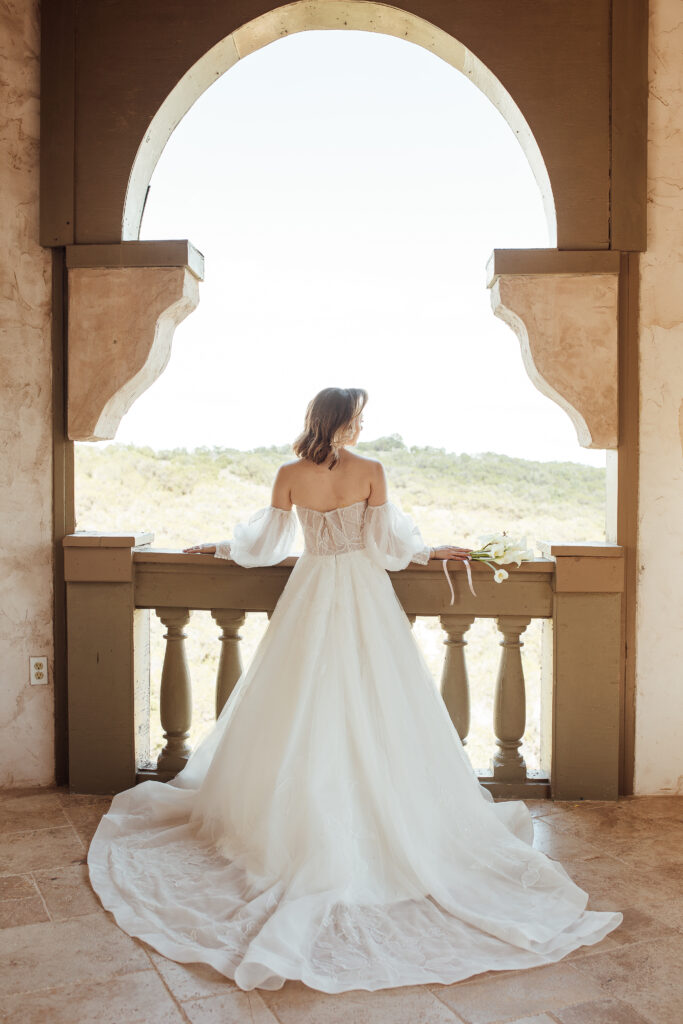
(330, 827)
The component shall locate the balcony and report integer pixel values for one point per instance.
(115, 581)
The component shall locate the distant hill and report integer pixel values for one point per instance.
(183, 496)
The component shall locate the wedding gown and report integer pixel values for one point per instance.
(330, 827)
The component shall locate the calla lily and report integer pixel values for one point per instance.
(500, 575)
(499, 549)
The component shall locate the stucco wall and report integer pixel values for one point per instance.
(26, 712)
(659, 623)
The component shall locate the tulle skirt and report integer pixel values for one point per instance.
(330, 827)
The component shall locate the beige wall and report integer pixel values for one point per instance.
(659, 628)
(26, 723)
(26, 712)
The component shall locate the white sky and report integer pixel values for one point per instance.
(347, 190)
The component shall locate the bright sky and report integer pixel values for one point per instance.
(347, 189)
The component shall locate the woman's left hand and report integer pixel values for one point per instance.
(449, 551)
(200, 549)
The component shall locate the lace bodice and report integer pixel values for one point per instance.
(333, 532)
(389, 536)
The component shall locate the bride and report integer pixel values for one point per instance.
(330, 827)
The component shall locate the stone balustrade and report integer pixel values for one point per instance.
(114, 581)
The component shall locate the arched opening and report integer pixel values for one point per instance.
(306, 15)
(459, 391)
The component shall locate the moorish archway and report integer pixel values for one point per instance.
(118, 78)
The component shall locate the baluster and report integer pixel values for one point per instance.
(230, 662)
(455, 687)
(176, 691)
(509, 715)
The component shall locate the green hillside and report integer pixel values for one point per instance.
(186, 496)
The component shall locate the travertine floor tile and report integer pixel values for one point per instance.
(100, 800)
(540, 1018)
(89, 948)
(646, 975)
(667, 907)
(190, 981)
(539, 808)
(7, 795)
(42, 848)
(661, 850)
(518, 993)
(606, 879)
(620, 820)
(604, 1011)
(561, 845)
(24, 911)
(137, 998)
(296, 1004)
(86, 817)
(234, 1007)
(67, 891)
(41, 810)
(657, 806)
(15, 887)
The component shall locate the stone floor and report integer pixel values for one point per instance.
(62, 958)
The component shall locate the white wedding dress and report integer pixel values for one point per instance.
(330, 827)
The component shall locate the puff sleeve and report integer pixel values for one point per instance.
(392, 539)
(265, 539)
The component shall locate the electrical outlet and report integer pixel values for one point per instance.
(38, 670)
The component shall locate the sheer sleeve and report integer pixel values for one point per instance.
(391, 537)
(266, 539)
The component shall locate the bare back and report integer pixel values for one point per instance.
(317, 487)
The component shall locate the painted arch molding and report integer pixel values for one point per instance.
(124, 306)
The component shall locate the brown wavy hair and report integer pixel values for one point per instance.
(329, 423)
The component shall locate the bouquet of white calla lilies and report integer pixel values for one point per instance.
(496, 549)
(500, 549)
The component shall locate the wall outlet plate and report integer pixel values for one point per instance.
(38, 670)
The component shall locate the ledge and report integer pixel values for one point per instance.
(169, 556)
(596, 550)
(164, 253)
(550, 261)
(91, 539)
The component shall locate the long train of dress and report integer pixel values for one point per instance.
(330, 827)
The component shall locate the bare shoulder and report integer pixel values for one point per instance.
(287, 469)
(281, 496)
(371, 472)
(372, 466)
(376, 474)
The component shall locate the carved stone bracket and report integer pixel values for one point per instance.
(125, 302)
(563, 307)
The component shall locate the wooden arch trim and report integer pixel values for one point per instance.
(574, 71)
(308, 15)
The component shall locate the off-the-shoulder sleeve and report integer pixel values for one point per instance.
(265, 539)
(391, 537)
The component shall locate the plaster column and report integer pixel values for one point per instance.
(659, 638)
(26, 712)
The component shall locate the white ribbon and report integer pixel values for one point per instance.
(468, 570)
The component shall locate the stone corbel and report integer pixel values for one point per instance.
(125, 302)
(563, 307)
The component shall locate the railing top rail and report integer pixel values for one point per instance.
(169, 556)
